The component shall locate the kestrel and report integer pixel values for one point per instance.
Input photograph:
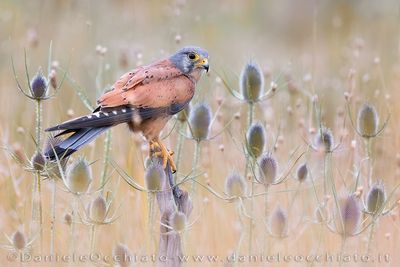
(145, 98)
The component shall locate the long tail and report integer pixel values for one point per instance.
(85, 129)
(74, 142)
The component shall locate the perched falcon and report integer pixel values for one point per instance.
(144, 98)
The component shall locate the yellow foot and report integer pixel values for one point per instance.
(162, 153)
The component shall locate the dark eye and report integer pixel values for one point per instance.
(192, 56)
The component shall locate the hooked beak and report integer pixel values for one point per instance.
(204, 64)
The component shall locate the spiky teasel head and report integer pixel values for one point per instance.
(200, 121)
(178, 221)
(324, 139)
(278, 223)
(38, 161)
(268, 169)
(302, 173)
(252, 82)
(367, 121)
(376, 198)
(122, 256)
(39, 86)
(154, 176)
(235, 185)
(18, 240)
(79, 176)
(98, 209)
(349, 216)
(255, 138)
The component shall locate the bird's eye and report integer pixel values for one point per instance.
(192, 56)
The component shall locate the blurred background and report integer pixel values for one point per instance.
(315, 51)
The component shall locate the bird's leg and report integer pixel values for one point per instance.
(163, 153)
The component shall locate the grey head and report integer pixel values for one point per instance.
(190, 58)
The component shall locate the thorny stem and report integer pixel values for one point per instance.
(74, 220)
(368, 148)
(250, 115)
(266, 217)
(92, 238)
(342, 247)
(196, 159)
(150, 202)
(106, 156)
(38, 123)
(53, 216)
(371, 236)
(240, 215)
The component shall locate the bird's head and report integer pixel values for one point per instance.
(190, 59)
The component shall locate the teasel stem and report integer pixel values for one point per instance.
(73, 223)
(37, 208)
(38, 123)
(106, 157)
(266, 212)
(368, 148)
(239, 210)
(327, 172)
(36, 188)
(342, 248)
(371, 235)
(179, 147)
(150, 202)
(249, 159)
(196, 159)
(92, 238)
(53, 217)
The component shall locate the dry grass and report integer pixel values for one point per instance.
(319, 54)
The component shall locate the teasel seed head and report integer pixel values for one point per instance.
(200, 121)
(350, 215)
(268, 169)
(178, 221)
(278, 223)
(39, 86)
(252, 82)
(18, 240)
(38, 161)
(324, 138)
(122, 255)
(79, 176)
(367, 121)
(302, 173)
(255, 138)
(376, 198)
(98, 209)
(53, 169)
(235, 185)
(154, 177)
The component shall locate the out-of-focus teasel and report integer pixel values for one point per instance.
(255, 140)
(17, 242)
(278, 223)
(98, 213)
(302, 173)
(347, 216)
(367, 127)
(177, 223)
(251, 85)
(235, 185)
(78, 176)
(200, 118)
